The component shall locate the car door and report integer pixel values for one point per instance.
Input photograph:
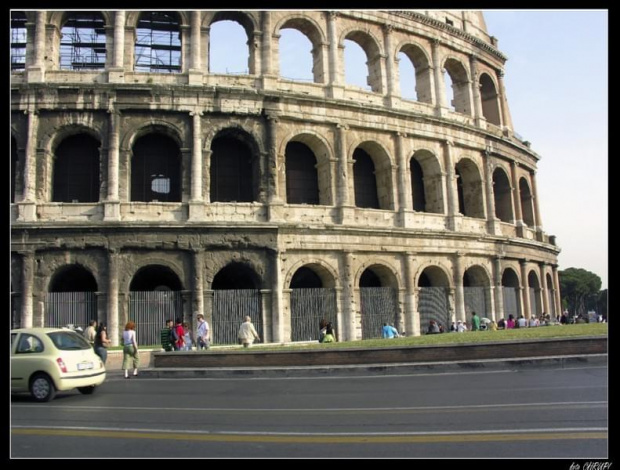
(26, 352)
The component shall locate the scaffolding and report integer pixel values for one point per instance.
(83, 42)
(18, 41)
(158, 43)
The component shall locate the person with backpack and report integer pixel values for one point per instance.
(178, 334)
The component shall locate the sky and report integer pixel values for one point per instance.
(556, 80)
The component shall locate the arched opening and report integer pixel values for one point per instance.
(502, 194)
(469, 189)
(302, 181)
(535, 294)
(312, 300)
(490, 100)
(71, 298)
(476, 288)
(234, 170)
(417, 186)
(76, 170)
(156, 169)
(18, 40)
(365, 181)
(158, 42)
(510, 293)
(433, 298)
(83, 41)
(295, 52)
(550, 297)
(228, 48)
(236, 295)
(378, 301)
(457, 87)
(355, 65)
(414, 71)
(14, 168)
(526, 203)
(154, 297)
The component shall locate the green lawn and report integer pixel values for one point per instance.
(593, 329)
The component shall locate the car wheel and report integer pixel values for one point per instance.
(87, 390)
(42, 388)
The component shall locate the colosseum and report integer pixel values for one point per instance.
(144, 186)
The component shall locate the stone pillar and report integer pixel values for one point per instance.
(441, 103)
(545, 293)
(348, 290)
(196, 203)
(27, 290)
(198, 284)
(504, 111)
(526, 290)
(208, 309)
(27, 206)
(276, 311)
(388, 30)
(112, 209)
(195, 71)
(558, 298)
(412, 316)
(538, 220)
(274, 202)
(344, 203)
(336, 90)
(459, 298)
(116, 73)
(499, 293)
(516, 196)
(453, 202)
(36, 71)
(114, 328)
(491, 302)
(266, 310)
(475, 92)
(493, 226)
(405, 200)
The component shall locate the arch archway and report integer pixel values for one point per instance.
(469, 188)
(551, 298)
(476, 289)
(156, 169)
(511, 293)
(502, 193)
(489, 98)
(236, 295)
(378, 288)
(535, 294)
(71, 297)
(433, 297)
(76, 170)
(527, 201)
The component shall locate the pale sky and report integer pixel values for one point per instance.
(557, 88)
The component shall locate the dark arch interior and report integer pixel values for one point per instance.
(424, 281)
(302, 182)
(14, 160)
(235, 276)
(364, 180)
(417, 186)
(305, 278)
(155, 278)
(76, 170)
(231, 171)
(510, 279)
(370, 279)
(73, 279)
(156, 169)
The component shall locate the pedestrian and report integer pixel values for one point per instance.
(166, 337)
(521, 322)
(179, 335)
(130, 349)
(322, 329)
(453, 327)
(90, 332)
(492, 326)
(564, 318)
(247, 333)
(330, 334)
(475, 322)
(202, 333)
(102, 342)
(432, 328)
(501, 324)
(510, 323)
(534, 321)
(187, 337)
(388, 331)
(461, 327)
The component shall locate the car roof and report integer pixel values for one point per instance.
(39, 330)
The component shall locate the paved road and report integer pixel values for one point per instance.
(559, 413)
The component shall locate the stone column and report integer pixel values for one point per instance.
(389, 63)
(405, 200)
(545, 293)
(113, 297)
(336, 90)
(526, 290)
(516, 193)
(112, 209)
(453, 202)
(343, 198)
(441, 103)
(208, 295)
(537, 217)
(558, 298)
(198, 284)
(269, 75)
(412, 316)
(27, 206)
(276, 311)
(493, 226)
(195, 71)
(505, 112)
(459, 297)
(348, 290)
(499, 293)
(196, 203)
(27, 290)
(116, 71)
(274, 202)
(475, 92)
(36, 71)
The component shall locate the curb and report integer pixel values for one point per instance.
(561, 362)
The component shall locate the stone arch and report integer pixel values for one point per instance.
(143, 263)
(162, 51)
(378, 171)
(378, 285)
(155, 277)
(421, 64)
(83, 40)
(430, 180)
(502, 193)
(433, 275)
(372, 48)
(490, 99)
(477, 291)
(250, 25)
(76, 169)
(313, 32)
(460, 85)
(327, 274)
(535, 287)
(433, 284)
(74, 277)
(386, 274)
(527, 201)
(511, 288)
(469, 188)
(159, 126)
(51, 140)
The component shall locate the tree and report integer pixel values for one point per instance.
(577, 286)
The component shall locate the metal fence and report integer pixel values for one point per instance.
(70, 308)
(476, 301)
(511, 301)
(535, 307)
(433, 304)
(379, 305)
(230, 307)
(551, 303)
(308, 307)
(150, 310)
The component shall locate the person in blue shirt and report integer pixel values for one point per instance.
(389, 331)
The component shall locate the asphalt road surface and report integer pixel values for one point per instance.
(550, 413)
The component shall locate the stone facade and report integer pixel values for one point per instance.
(479, 223)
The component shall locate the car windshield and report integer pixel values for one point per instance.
(68, 340)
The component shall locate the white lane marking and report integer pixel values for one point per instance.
(323, 410)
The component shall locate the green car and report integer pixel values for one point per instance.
(47, 360)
